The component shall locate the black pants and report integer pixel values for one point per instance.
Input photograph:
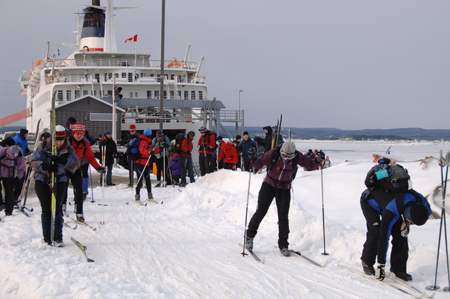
(77, 182)
(146, 176)
(160, 164)
(231, 166)
(186, 164)
(247, 165)
(18, 187)
(265, 197)
(400, 248)
(206, 163)
(9, 194)
(44, 193)
(131, 170)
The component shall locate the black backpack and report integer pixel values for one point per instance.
(178, 140)
(393, 178)
(133, 149)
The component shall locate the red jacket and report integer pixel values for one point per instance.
(83, 148)
(208, 141)
(186, 147)
(229, 151)
(144, 148)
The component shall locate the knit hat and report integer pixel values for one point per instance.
(13, 151)
(108, 132)
(78, 127)
(159, 133)
(417, 213)
(132, 127)
(238, 137)
(219, 138)
(147, 132)
(202, 129)
(23, 132)
(245, 133)
(288, 148)
(45, 135)
(60, 132)
(9, 141)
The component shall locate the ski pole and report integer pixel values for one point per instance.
(103, 153)
(92, 187)
(148, 160)
(442, 163)
(323, 212)
(246, 212)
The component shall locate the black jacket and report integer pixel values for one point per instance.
(111, 150)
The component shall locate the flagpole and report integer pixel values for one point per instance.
(135, 56)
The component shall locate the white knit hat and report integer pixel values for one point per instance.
(288, 148)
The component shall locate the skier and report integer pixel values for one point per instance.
(398, 210)
(277, 184)
(326, 163)
(229, 155)
(21, 140)
(44, 163)
(173, 171)
(206, 144)
(130, 136)
(218, 164)
(186, 158)
(161, 145)
(244, 146)
(12, 170)
(86, 156)
(7, 142)
(267, 141)
(142, 164)
(111, 152)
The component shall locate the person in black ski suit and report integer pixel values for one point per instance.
(267, 141)
(111, 152)
(277, 184)
(131, 167)
(243, 147)
(396, 217)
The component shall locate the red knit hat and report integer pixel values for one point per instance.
(78, 127)
(132, 127)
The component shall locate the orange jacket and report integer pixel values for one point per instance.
(144, 148)
(229, 151)
(186, 147)
(83, 148)
(208, 141)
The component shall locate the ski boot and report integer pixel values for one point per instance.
(158, 185)
(80, 217)
(368, 269)
(137, 197)
(150, 196)
(285, 252)
(249, 243)
(403, 275)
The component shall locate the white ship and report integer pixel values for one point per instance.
(82, 85)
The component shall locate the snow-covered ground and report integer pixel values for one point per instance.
(187, 247)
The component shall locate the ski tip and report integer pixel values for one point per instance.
(90, 260)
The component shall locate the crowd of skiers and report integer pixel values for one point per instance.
(389, 204)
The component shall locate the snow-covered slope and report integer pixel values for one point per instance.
(187, 247)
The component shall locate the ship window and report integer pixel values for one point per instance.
(186, 95)
(158, 78)
(165, 94)
(149, 94)
(130, 77)
(131, 94)
(156, 94)
(109, 93)
(124, 75)
(172, 94)
(142, 75)
(116, 75)
(152, 75)
(200, 95)
(110, 76)
(60, 95)
(193, 95)
(136, 94)
(179, 94)
(95, 93)
(172, 77)
(69, 95)
(85, 92)
(77, 93)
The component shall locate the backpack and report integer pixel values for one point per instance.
(273, 162)
(133, 149)
(393, 178)
(178, 140)
(215, 138)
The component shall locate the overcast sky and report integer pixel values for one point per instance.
(348, 64)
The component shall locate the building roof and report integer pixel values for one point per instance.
(91, 97)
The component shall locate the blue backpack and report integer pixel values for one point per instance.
(133, 149)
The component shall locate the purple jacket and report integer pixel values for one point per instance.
(283, 170)
(8, 166)
(174, 165)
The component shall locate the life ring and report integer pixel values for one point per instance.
(184, 65)
(85, 49)
(63, 63)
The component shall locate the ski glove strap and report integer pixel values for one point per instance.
(380, 273)
(404, 230)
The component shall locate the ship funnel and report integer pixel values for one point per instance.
(93, 31)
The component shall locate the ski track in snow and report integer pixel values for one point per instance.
(187, 246)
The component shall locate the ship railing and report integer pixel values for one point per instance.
(231, 115)
(107, 78)
(120, 63)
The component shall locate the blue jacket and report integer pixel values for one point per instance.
(385, 204)
(43, 153)
(244, 146)
(22, 142)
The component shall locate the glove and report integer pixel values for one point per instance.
(404, 230)
(151, 153)
(48, 166)
(27, 151)
(101, 169)
(59, 159)
(320, 157)
(157, 150)
(16, 182)
(257, 138)
(202, 146)
(161, 149)
(380, 273)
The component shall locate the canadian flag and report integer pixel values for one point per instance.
(131, 39)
